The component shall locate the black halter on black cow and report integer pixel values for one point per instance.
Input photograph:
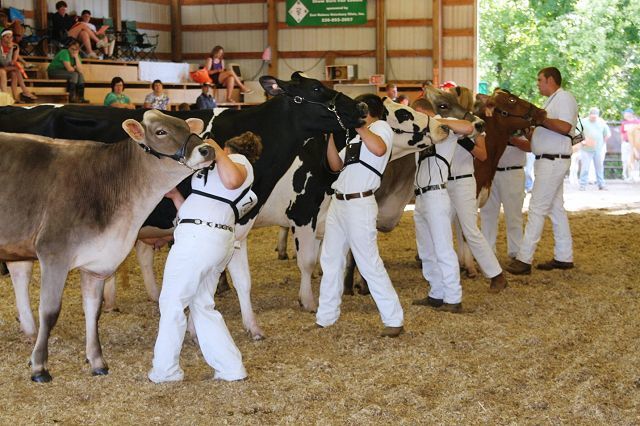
(300, 108)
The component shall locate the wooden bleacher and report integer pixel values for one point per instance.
(98, 75)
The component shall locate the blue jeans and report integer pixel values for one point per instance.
(586, 158)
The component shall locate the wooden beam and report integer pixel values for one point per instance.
(283, 26)
(153, 26)
(398, 53)
(175, 15)
(242, 26)
(381, 37)
(206, 2)
(272, 36)
(409, 22)
(40, 17)
(457, 2)
(153, 1)
(458, 32)
(458, 63)
(437, 41)
(410, 53)
(115, 12)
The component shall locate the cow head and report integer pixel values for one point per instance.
(446, 105)
(509, 105)
(165, 136)
(330, 110)
(412, 130)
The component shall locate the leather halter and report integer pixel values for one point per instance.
(179, 155)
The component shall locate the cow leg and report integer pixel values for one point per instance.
(464, 252)
(239, 270)
(281, 248)
(223, 284)
(51, 287)
(307, 247)
(144, 252)
(92, 289)
(362, 286)
(349, 274)
(20, 277)
(110, 295)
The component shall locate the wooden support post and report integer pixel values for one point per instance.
(40, 16)
(381, 37)
(176, 31)
(116, 15)
(272, 35)
(437, 41)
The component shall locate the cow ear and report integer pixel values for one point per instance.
(196, 125)
(271, 85)
(134, 129)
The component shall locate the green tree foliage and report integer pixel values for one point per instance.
(594, 43)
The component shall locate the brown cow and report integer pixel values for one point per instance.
(81, 206)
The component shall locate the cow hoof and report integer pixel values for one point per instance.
(106, 310)
(283, 257)
(43, 377)
(257, 337)
(100, 371)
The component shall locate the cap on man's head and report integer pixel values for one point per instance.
(594, 111)
(448, 84)
(628, 110)
(6, 32)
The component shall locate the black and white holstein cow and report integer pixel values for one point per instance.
(300, 109)
(80, 204)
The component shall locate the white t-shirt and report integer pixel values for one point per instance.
(462, 163)
(512, 157)
(433, 170)
(357, 177)
(562, 106)
(210, 210)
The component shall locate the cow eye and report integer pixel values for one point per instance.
(512, 100)
(442, 106)
(161, 132)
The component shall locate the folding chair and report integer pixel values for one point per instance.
(134, 45)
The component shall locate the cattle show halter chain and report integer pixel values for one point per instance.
(331, 106)
(179, 155)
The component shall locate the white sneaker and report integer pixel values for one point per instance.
(92, 55)
(102, 43)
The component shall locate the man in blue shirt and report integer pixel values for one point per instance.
(206, 100)
(596, 132)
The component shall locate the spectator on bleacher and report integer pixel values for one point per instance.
(65, 25)
(67, 65)
(184, 107)
(403, 100)
(108, 46)
(206, 100)
(157, 99)
(222, 76)
(9, 68)
(116, 98)
(392, 91)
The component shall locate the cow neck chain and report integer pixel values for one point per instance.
(423, 132)
(331, 106)
(528, 116)
(178, 156)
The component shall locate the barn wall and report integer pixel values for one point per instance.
(459, 49)
(151, 18)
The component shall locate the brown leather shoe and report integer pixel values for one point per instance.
(498, 283)
(454, 308)
(554, 264)
(392, 331)
(518, 267)
(428, 301)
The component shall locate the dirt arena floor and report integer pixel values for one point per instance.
(558, 347)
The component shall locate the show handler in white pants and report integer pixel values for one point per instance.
(203, 246)
(432, 212)
(462, 190)
(507, 190)
(551, 144)
(351, 221)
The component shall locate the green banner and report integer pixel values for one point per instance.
(326, 12)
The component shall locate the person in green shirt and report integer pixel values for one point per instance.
(116, 98)
(67, 65)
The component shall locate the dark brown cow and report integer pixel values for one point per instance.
(80, 204)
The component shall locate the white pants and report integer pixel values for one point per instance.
(194, 264)
(465, 207)
(435, 245)
(351, 224)
(547, 200)
(507, 189)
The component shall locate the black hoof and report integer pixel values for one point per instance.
(43, 377)
(100, 371)
(283, 257)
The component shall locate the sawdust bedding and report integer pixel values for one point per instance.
(555, 347)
